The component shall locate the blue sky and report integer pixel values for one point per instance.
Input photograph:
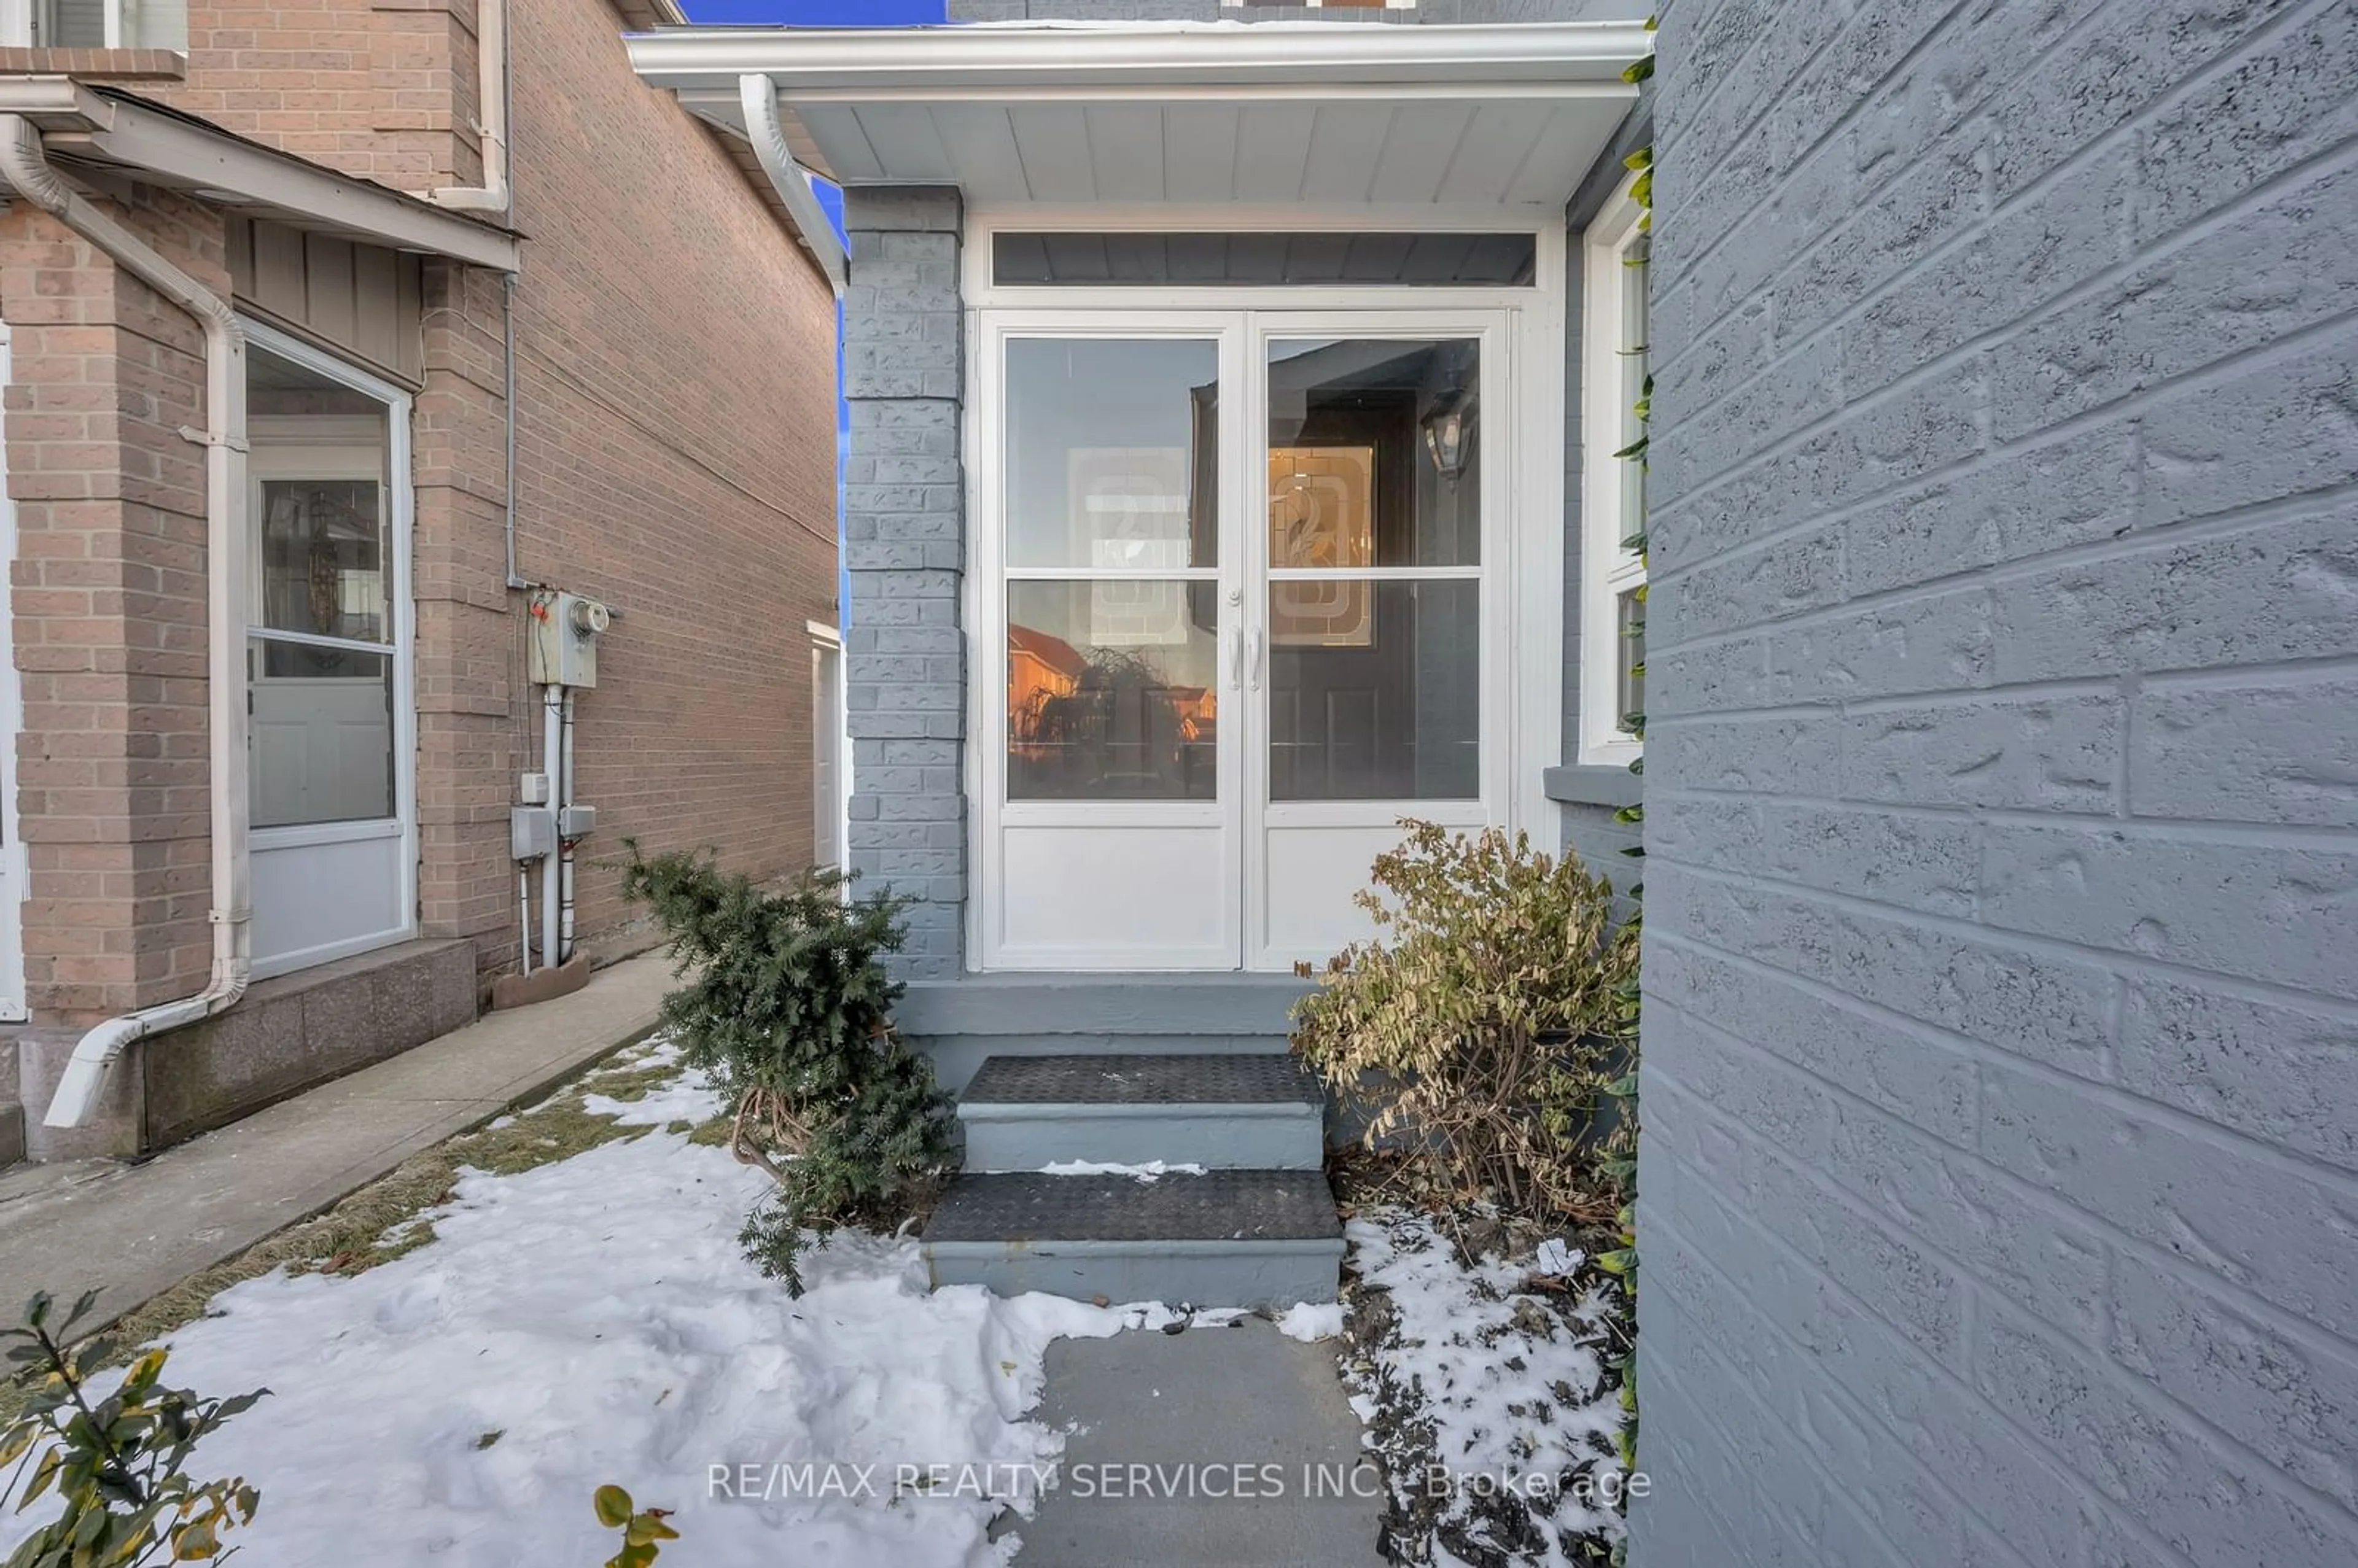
(816, 12)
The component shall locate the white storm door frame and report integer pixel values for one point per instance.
(401, 828)
(999, 821)
(1316, 842)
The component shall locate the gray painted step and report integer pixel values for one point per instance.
(1251, 1239)
(1223, 1111)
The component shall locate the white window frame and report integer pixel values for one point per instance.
(130, 24)
(827, 642)
(1612, 498)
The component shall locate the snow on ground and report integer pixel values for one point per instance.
(1503, 1386)
(1311, 1321)
(594, 1321)
(1151, 1171)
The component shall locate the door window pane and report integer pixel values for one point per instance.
(321, 734)
(324, 559)
(1374, 453)
(1112, 453)
(1112, 690)
(1375, 690)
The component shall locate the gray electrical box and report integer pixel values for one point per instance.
(575, 821)
(564, 643)
(531, 832)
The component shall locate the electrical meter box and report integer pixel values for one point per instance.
(565, 631)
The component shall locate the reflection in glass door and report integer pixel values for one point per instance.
(1204, 733)
(1371, 617)
(1111, 844)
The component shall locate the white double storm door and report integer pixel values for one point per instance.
(1241, 603)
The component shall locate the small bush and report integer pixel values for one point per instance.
(119, 1465)
(787, 1008)
(1485, 1022)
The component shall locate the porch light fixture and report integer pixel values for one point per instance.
(1446, 429)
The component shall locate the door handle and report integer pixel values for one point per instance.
(1252, 660)
(1236, 658)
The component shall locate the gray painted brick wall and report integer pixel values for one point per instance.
(2000, 1163)
(904, 548)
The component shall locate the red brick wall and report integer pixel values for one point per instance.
(109, 601)
(676, 450)
(386, 90)
(676, 374)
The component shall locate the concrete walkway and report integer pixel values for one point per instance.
(138, 1230)
(1168, 1431)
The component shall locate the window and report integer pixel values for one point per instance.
(1364, 260)
(1614, 368)
(96, 23)
(828, 792)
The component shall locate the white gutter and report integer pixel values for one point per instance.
(758, 96)
(27, 168)
(879, 64)
(492, 128)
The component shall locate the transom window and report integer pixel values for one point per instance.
(1262, 259)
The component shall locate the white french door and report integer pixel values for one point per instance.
(1240, 610)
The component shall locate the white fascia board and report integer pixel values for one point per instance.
(101, 128)
(1306, 60)
(758, 98)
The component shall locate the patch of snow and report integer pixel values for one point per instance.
(1510, 1388)
(1311, 1321)
(598, 1313)
(691, 1097)
(1151, 1171)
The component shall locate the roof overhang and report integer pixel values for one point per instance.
(1130, 113)
(111, 130)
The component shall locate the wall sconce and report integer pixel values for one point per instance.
(1447, 428)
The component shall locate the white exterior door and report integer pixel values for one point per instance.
(332, 737)
(1241, 593)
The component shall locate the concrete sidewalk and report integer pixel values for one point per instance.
(139, 1229)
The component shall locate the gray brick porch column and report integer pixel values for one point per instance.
(905, 545)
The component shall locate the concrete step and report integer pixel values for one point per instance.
(1248, 1239)
(1223, 1111)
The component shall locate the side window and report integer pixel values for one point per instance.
(1614, 369)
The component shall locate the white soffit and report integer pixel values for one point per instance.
(1182, 112)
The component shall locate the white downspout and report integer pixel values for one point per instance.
(492, 95)
(26, 167)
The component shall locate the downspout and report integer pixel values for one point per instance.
(26, 167)
(492, 95)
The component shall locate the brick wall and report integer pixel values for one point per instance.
(677, 458)
(904, 548)
(386, 90)
(109, 607)
(1999, 1083)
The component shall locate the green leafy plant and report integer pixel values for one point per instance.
(785, 1005)
(643, 1529)
(1485, 1020)
(119, 1464)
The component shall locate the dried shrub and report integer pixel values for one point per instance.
(1483, 1025)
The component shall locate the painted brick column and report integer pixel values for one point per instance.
(904, 546)
(2000, 1141)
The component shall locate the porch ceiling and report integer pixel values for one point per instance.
(1140, 113)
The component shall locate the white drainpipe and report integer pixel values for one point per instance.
(26, 167)
(491, 93)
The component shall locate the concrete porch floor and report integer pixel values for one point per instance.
(139, 1229)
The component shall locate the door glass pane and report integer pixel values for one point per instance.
(321, 734)
(1375, 453)
(324, 559)
(1113, 453)
(1375, 690)
(1112, 690)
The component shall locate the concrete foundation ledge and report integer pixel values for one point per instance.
(295, 1030)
